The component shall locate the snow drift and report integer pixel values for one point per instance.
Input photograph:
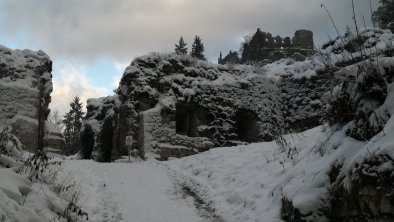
(337, 172)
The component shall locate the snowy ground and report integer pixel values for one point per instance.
(242, 183)
(247, 183)
(140, 192)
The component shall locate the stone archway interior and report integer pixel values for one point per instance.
(107, 135)
(186, 119)
(246, 125)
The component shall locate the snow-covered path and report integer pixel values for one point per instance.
(138, 192)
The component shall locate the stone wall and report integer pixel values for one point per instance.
(159, 136)
(305, 100)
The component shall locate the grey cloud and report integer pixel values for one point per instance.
(123, 29)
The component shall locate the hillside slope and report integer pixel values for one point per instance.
(338, 172)
(267, 182)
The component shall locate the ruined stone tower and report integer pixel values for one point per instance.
(303, 39)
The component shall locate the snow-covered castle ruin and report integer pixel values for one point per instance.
(176, 106)
(263, 47)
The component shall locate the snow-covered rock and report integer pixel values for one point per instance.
(29, 187)
(53, 140)
(168, 99)
(25, 81)
(99, 136)
(306, 85)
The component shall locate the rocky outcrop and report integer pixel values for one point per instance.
(365, 194)
(53, 140)
(25, 85)
(100, 133)
(166, 101)
(369, 195)
(358, 180)
(305, 100)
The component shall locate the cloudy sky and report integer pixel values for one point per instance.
(92, 41)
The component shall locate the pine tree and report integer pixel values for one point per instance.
(181, 48)
(68, 130)
(73, 124)
(198, 49)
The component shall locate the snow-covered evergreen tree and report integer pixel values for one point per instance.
(198, 49)
(73, 123)
(181, 48)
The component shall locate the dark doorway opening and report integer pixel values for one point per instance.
(246, 125)
(107, 143)
(87, 139)
(186, 119)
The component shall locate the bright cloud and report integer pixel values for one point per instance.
(71, 81)
(120, 67)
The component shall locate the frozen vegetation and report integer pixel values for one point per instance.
(30, 189)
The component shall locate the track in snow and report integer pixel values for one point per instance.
(138, 192)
